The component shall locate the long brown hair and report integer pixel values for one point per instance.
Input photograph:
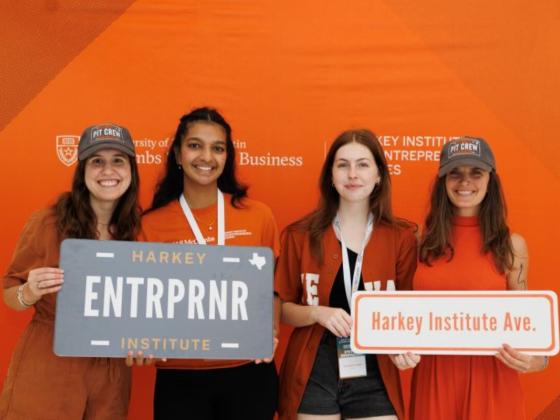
(75, 217)
(437, 239)
(170, 187)
(319, 220)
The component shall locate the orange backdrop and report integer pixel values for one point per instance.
(289, 76)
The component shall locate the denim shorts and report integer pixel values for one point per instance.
(326, 394)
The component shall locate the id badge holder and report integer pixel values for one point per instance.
(350, 365)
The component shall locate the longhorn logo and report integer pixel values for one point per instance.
(67, 149)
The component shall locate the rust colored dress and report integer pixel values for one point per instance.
(464, 387)
(39, 384)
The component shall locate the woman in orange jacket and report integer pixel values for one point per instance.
(350, 242)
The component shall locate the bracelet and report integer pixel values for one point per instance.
(21, 299)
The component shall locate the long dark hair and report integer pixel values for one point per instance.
(171, 185)
(75, 217)
(437, 240)
(318, 221)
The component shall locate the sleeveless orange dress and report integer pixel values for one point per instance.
(464, 387)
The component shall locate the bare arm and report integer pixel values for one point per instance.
(517, 280)
(336, 320)
(297, 315)
(517, 276)
(41, 281)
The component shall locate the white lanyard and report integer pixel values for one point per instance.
(351, 286)
(194, 225)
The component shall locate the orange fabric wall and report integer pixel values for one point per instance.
(289, 77)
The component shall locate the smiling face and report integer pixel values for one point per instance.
(107, 176)
(466, 188)
(354, 172)
(202, 154)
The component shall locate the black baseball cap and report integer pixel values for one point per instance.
(105, 136)
(466, 150)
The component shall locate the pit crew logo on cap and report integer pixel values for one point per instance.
(465, 147)
(106, 133)
(67, 149)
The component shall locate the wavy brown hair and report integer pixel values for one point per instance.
(75, 217)
(437, 239)
(319, 220)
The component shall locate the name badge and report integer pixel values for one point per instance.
(350, 364)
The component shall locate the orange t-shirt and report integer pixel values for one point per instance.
(251, 225)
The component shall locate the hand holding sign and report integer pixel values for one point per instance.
(405, 360)
(44, 280)
(336, 320)
(271, 358)
(521, 362)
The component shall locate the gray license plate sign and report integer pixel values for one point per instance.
(168, 300)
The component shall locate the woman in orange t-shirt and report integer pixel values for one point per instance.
(101, 205)
(199, 200)
(467, 245)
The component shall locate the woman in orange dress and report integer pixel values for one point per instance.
(467, 245)
(102, 204)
